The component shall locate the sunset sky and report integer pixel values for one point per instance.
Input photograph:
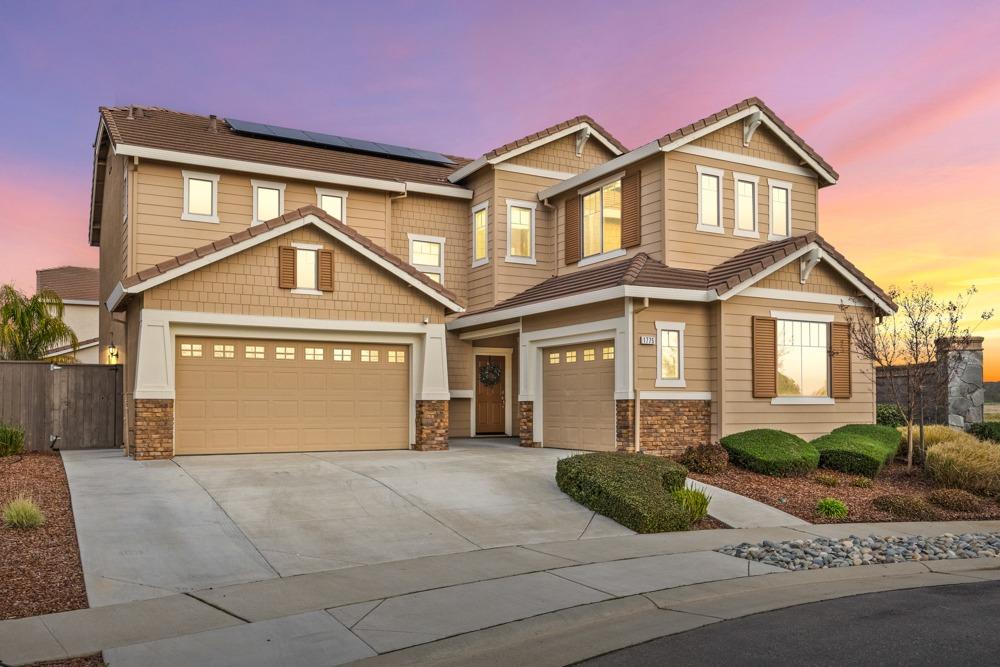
(903, 99)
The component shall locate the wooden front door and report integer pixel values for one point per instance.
(490, 399)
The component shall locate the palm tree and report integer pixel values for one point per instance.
(31, 326)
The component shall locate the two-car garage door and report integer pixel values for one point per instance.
(241, 395)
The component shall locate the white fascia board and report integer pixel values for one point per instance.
(213, 162)
(609, 167)
(267, 236)
(747, 160)
(503, 329)
(536, 171)
(81, 302)
(467, 170)
(117, 294)
(807, 297)
(584, 298)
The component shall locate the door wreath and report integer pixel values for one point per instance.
(489, 374)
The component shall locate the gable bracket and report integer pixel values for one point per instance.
(808, 263)
(581, 140)
(750, 125)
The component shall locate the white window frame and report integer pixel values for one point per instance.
(533, 206)
(272, 185)
(755, 180)
(305, 291)
(771, 185)
(823, 318)
(484, 206)
(702, 227)
(197, 217)
(427, 268)
(326, 192)
(679, 381)
(601, 256)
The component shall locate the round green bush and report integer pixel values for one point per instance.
(986, 431)
(771, 452)
(886, 437)
(831, 508)
(887, 414)
(853, 454)
(705, 459)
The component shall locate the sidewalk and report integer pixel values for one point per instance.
(548, 603)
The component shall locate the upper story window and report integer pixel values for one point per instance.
(602, 219)
(427, 256)
(803, 359)
(268, 200)
(710, 200)
(780, 209)
(746, 205)
(670, 354)
(480, 234)
(334, 202)
(201, 197)
(520, 231)
(306, 268)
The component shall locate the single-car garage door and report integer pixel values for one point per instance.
(578, 394)
(240, 395)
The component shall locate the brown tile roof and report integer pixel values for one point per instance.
(189, 133)
(70, 282)
(549, 131)
(291, 216)
(69, 348)
(644, 271)
(680, 133)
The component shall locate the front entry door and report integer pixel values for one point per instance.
(490, 399)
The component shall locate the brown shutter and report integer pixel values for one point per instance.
(286, 267)
(840, 360)
(765, 357)
(325, 273)
(573, 230)
(631, 230)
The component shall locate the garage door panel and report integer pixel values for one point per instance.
(578, 407)
(248, 400)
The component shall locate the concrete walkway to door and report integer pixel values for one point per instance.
(152, 529)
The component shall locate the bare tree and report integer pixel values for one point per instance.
(907, 343)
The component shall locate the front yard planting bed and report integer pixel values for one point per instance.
(40, 571)
(799, 495)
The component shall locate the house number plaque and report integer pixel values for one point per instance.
(647, 340)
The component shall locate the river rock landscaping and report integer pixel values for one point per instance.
(820, 552)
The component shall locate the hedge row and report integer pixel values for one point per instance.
(771, 452)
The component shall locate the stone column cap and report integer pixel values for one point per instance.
(956, 344)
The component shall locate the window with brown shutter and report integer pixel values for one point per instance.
(765, 357)
(631, 229)
(286, 267)
(324, 281)
(573, 230)
(840, 360)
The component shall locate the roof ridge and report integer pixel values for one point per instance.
(635, 267)
(551, 129)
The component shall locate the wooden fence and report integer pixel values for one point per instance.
(71, 406)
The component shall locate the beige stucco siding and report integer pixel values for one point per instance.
(699, 342)
(560, 155)
(741, 411)
(247, 284)
(603, 310)
(764, 145)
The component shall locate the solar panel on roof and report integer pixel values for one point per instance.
(333, 141)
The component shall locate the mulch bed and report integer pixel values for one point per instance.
(798, 495)
(708, 523)
(95, 660)
(40, 571)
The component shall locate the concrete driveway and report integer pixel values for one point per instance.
(150, 529)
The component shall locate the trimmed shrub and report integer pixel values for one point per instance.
(705, 459)
(22, 512)
(912, 508)
(831, 508)
(636, 490)
(986, 431)
(885, 436)
(825, 480)
(966, 464)
(694, 501)
(771, 452)
(887, 414)
(11, 440)
(863, 483)
(957, 500)
(854, 454)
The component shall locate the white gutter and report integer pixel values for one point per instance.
(609, 167)
(296, 173)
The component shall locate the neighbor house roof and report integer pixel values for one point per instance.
(641, 275)
(71, 283)
(260, 233)
(63, 349)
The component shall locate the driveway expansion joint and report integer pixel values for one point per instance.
(215, 606)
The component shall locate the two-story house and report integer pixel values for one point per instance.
(271, 289)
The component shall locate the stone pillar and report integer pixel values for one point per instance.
(669, 427)
(960, 364)
(625, 425)
(432, 426)
(526, 424)
(154, 429)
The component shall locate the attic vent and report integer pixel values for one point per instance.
(213, 123)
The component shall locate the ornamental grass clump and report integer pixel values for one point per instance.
(695, 501)
(22, 512)
(957, 500)
(910, 508)
(831, 508)
(966, 464)
(826, 480)
(862, 483)
(771, 452)
(11, 440)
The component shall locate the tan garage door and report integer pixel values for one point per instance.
(238, 395)
(578, 394)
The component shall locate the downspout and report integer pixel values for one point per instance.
(388, 219)
(636, 434)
